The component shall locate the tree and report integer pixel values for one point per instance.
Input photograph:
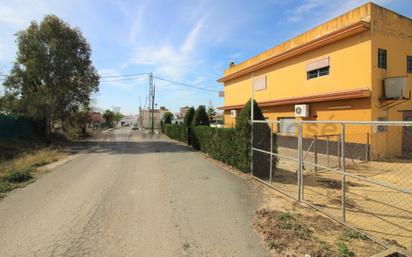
(117, 117)
(108, 118)
(200, 117)
(53, 73)
(211, 112)
(82, 118)
(189, 117)
(167, 117)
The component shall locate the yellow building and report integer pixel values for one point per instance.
(355, 67)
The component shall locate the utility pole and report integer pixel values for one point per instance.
(151, 102)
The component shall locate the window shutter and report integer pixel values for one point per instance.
(319, 64)
(260, 83)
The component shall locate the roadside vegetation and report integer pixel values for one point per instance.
(288, 233)
(229, 145)
(22, 169)
(46, 99)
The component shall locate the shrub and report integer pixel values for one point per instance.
(220, 143)
(167, 117)
(229, 145)
(200, 117)
(261, 140)
(175, 131)
(189, 117)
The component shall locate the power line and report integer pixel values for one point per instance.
(185, 85)
(123, 76)
(113, 80)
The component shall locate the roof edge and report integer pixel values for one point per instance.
(334, 36)
(332, 96)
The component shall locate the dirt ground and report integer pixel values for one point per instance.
(384, 213)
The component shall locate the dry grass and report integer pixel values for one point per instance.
(325, 234)
(288, 233)
(18, 171)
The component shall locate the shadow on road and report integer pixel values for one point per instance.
(129, 147)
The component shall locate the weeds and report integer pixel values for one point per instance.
(348, 233)
(344, 250)
(19, 176)
(14, 172)
(283, 231)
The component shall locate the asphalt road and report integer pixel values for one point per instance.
(132, 196)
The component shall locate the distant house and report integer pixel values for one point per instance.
(180, 116)
(146, 117)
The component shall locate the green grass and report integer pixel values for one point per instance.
(344, 250)
(19, 176)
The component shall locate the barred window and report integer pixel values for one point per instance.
(382, 58)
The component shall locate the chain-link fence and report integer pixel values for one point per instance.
(358, 173)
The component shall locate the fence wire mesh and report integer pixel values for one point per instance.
(355, 172)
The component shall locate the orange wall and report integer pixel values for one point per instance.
(349, 69)
(392, 32)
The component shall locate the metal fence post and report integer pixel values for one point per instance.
(339, 141)
(300, 161)
(271, 152)
(316, 153)
(251, 124)
(343, 175)
(327, 150)
(367, 147)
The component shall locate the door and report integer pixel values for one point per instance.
(407, 136)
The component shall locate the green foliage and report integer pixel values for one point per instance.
(117, 117)
(348, 233)
(109, 118)
(220, 143)
(200, 117)
(19, 176)
(175, 131)
(167, 117)
(189, 117)
(211, 112)
(261, 132)
(231, 146)
(53, 73)
(344, 250)
(5, 187)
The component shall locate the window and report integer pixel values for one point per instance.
(382, 58)
(318, 68)
(260, 83)
(318, 72)
(409, 64)
(287, 126)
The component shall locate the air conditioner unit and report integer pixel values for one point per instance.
(396, 88)
(302, 110)
(233, 113)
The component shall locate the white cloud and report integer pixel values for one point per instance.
(173, 62)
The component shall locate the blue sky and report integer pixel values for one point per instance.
(190, 41)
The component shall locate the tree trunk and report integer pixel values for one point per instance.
(47, 127)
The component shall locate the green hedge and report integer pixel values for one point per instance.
(222, 144)
(232, 145)
(175, 131)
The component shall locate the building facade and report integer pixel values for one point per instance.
(356, 67)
